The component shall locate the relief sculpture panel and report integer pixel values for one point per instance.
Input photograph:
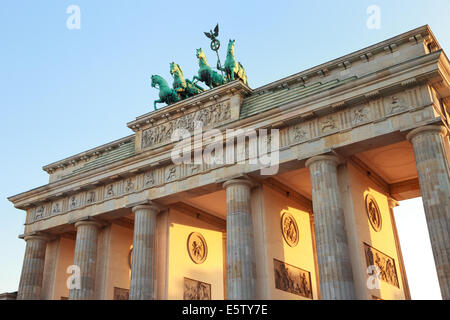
(121, 293)
(292, 279)
(196, 290)
(209, 116)
(384, 263)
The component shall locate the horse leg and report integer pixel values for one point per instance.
(155, 102)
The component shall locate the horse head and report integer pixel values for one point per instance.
(158, 81)
(175, 68)
(231, 46)
(154, 81)
(200, 54)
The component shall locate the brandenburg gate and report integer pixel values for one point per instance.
(356, 135)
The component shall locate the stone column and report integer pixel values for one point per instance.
(33, 268)
(143, 266)
(85, 258)
(433, 169)
(335, 271)
(241, 267)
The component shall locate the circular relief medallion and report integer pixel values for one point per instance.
(197, 248)
(373, 212)
(289, 229)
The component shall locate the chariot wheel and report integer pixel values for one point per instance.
(215, 45)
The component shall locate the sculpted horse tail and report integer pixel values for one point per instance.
(205, 74)
(166, 94)
(232, 68)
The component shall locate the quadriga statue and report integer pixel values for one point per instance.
(232, 68)
(205, 74)
(184, 87)
(166, 93)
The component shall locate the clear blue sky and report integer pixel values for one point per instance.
(64, 91)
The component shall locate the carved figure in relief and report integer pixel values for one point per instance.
(194, 168)
(90, 197)
(373, 212)
(73, 202)
(171, 174)
(328, 124)
(129, 185)
(149, 179)
(299, 133)
(292, 279)
(39, 212)
(109, 190)
(197, 247)
(289, 229)
(196, 290)
(384, 263)
(204, 116)
(397, 104)
(56, 208)
(360, 115)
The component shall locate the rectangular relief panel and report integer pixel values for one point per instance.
(121, 294)
(292, 279)
(384, 264)
(196, 290)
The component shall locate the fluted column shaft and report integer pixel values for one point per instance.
(33, 268)
(433, 170)
(85, 258)
(333, 257)
(241, 267)
(142, 283)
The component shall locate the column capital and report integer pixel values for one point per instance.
(37, 236)
(88, 222)
(392, 203)
(241, 181)
(323, 157)
(145, 205)
(431, 128)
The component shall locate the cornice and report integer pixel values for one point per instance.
(344, 62)
(86, 155)
(157, 157)
(189, 105)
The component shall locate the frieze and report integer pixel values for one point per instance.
(292, 279)
(360, 115)
(129, 185)
(91, 197)
(384, 263)
(196, 290)
(307, 130)
(375, 109)
(121, 294)
(56, 207)
(209, 116)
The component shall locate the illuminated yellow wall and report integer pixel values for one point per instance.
(118, 273)
(65, 259)
(300, 256)
(180, 264)
(383, 241)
